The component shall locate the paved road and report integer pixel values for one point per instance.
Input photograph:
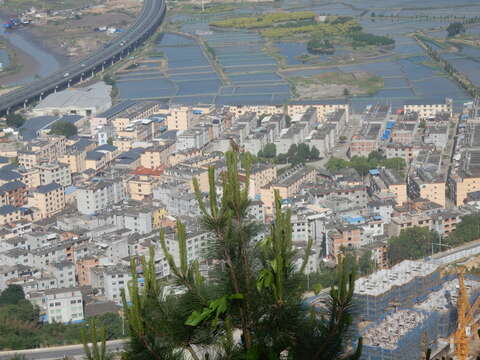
(59, 352)
(151, 16)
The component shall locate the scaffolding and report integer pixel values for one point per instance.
(398, 335)
(402, 286)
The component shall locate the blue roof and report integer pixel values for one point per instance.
(94, 155)
(118, 108)
(390, 124)
(43, 189)
(106, 147)
(70, 189)
(354, 219)
(82, 144)
(8, 175)
(7, 209)
(130, 156)
(170, 135)
(374, 172)
(377, 217)
(386, 134)
(4, 160)
(13, 185)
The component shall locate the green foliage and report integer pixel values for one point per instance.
(269, 151)
(320, 45)
(394, 163)
(20, 328)
(109, 80)
(98, 349)
(413, 243)
(360, 39)
(362, 164)
(64, 128)
(455, 28)
(254, 288)
(468, 230)
(366, 265)
(376, 156)
(324, 30)
(288, 121)
(298, 154)
(110, 141)
(12, 295)
(15, 120)
(335, 164)
(264, 21)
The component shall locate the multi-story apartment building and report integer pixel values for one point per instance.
(64, 305)
(429, 109)
(111, 280)
(157, 156)
(64, 272)
(140, 187)
(75, 155)
(15, 193)
(48, 199)
(260, 175)
(55, 172)
(287, 185)
(46, 149)
(9, 214)
(367, 140)
(436, 135)
(99, 195)
(426, 180)
(388, 181)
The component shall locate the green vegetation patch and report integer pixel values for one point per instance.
(264, 21)
(336, 84)
(207, 9)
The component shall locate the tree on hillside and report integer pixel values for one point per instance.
(361, 164)
(468, 230)
(314, 153)
(366, 265)
(413, 243)
(268, 151)
(292, 151)
(376, 156)
(97, 338)
(455, 28)
(335, 164)
(12, 295)
(255, 289)
(15, 120)
(394, 163)
(64, 128)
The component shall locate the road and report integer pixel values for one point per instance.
(59, 352)
(151, 16)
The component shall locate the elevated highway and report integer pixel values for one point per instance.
(150, 18)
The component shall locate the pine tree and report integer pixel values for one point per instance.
(98, 350)
(255, 290)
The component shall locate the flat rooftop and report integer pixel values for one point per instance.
(388, 333)
(384, 280)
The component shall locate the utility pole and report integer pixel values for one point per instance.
(439, 243)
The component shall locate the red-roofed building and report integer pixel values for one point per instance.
(148, 172)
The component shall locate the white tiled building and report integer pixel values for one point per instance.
(64, 305)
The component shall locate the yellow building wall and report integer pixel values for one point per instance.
(434, 193)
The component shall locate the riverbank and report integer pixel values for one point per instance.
(32, 57)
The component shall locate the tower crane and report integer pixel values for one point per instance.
(465, 311)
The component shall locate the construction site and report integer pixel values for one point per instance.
(415, 306)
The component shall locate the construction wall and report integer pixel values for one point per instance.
(371, 307)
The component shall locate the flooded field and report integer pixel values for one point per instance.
(207, 64)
